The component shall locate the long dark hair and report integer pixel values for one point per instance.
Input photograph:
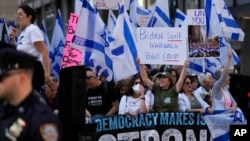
(29, 11)
(131, 84)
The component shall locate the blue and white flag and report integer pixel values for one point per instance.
(224, 47)
(160, 15)
(179, 18)
(78, 6)
(219, 123)
(47, 43)
(57, 45)
(137, 13)
(199, 65)
(4, 31)
(123, 47)
(111, 21)
(214, 17)
(1, 27)
(220, 18)
(91, 36)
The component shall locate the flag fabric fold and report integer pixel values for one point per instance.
(160, 15)
(4, 31)
(179, 18)
(57, 45)
(198, 65)
(138, 14)
(123, 47)
(111, 21)
(219, 123)
(218, 15)
(91, 36)
(217, 18)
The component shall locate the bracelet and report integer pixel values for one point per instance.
(143, 98)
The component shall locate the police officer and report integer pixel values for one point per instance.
(23, 117)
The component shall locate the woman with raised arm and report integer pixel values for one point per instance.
(166, 93)
(222, 98)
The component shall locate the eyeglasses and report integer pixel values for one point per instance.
(136, 82)
(187, 83)
(19, 14)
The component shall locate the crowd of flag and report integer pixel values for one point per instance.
(110, 49)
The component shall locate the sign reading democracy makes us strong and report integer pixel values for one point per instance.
(162, 45)
(153, 127)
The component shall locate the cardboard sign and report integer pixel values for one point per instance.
(162, 45)
(71, 56)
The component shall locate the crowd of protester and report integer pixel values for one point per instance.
(162, 89)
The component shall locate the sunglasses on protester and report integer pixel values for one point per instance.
(188, 83)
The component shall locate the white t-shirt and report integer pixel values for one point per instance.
(27, 38)
(128, 103)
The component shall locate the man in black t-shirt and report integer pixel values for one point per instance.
(101, 98)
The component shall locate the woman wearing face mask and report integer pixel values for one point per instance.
(135, 101)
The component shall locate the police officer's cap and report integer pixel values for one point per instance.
(12, 59)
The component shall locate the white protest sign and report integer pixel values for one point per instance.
(196, 17)
(162, 45)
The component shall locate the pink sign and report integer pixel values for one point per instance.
(71, 56)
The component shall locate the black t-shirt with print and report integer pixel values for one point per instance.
(99, 100)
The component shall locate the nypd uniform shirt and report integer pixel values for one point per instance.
(29, 121)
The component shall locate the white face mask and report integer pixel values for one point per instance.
(136, 88)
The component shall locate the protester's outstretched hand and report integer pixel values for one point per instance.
(186, 63)
(229, 54)
(52, 85)
(138, 60)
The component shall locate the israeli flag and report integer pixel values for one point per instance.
(78, 6)
(136, 11)
(219, 123)
(123, 47)
(160, 15)
(111, 21)
(179, 18)
(91, 36)
(1, 26)
(199, 65)
(224, 47)
(4, 31)
(220, 18)
(57, 45)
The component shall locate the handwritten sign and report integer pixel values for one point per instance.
(196, 17)
(162, 45)
(176, 126)
(71, 56)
